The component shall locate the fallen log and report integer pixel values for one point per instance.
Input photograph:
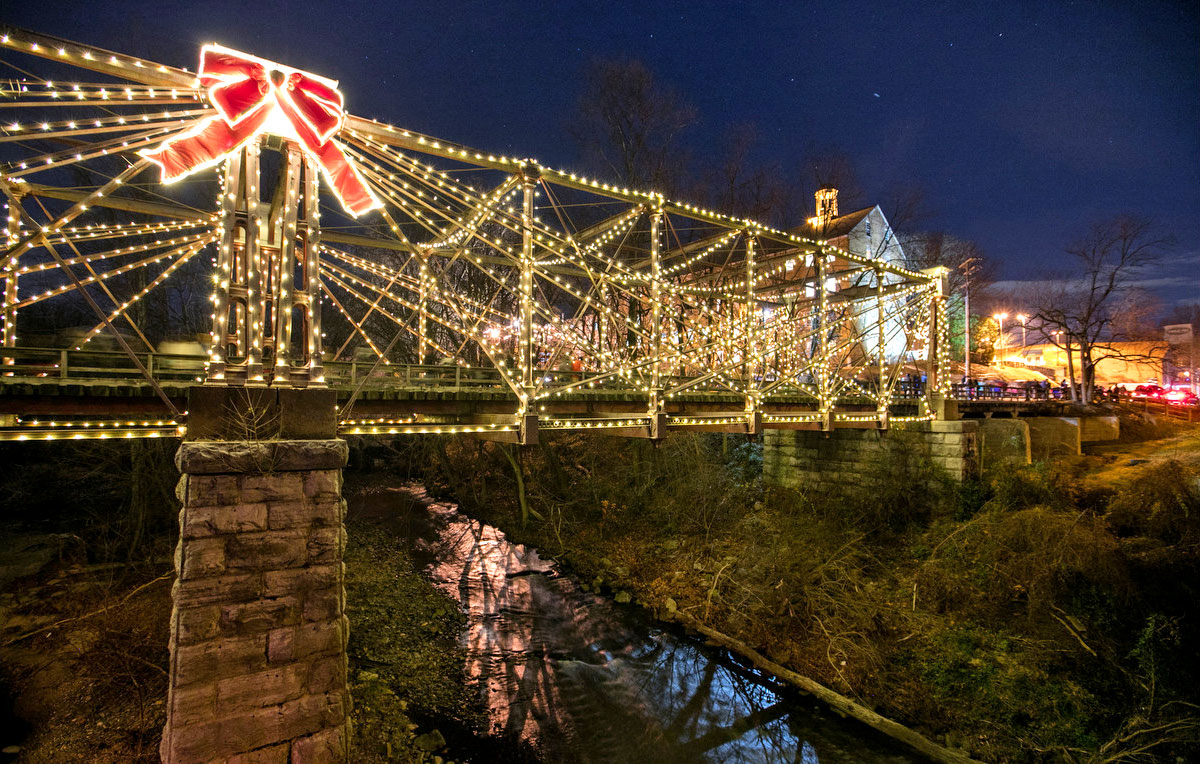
(837, 701)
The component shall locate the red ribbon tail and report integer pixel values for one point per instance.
(349, 186)
(201, 146)
(192, 150)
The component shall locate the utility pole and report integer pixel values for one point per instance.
(968, 267)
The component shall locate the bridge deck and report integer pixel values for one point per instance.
(47, 393)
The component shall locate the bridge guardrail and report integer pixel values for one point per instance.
(67, 365)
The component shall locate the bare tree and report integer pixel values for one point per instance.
(1090, 308)
(629, 126)
(741, 187)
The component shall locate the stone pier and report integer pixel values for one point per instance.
(258, 630)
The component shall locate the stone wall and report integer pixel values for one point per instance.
(841, 460)
(258, 630)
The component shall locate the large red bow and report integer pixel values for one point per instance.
(251, 96)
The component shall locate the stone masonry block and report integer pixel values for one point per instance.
(281, 582)
(201, 521)
(325, 747)
(318, 639)
(277, 486)
(219, 739)
(199, 700)
(323, 605)
(324, 484)
(272, 754)
(198, 624)
(258, 628)
(219, 659)
(270, 550)
(250, 457)
(260, 615)
(227, 588)
(281, 645)
(211, 490)
(202, 558)
(325, 545)
(952, 425)
(272, 687)
(956, 467)
(947, 450)
(326, 675)
(295, 513)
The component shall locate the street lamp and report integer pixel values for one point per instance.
(1000, 318)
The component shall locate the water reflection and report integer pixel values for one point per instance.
(579, 678)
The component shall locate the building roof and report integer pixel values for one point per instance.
(839, 226)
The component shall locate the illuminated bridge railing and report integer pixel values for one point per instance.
(25, 366)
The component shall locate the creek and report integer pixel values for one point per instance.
(572, 676)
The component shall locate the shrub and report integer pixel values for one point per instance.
(1162, 503)
(1014, 487)
(1030, 557)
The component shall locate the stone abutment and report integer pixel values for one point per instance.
(846, 460)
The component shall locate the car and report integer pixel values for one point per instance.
(1180, 397)
(1148, 391)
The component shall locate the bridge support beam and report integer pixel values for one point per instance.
(258, 630)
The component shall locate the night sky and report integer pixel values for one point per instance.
(1022, 122)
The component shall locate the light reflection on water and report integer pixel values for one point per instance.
(578, 678)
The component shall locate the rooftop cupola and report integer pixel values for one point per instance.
(827, 205)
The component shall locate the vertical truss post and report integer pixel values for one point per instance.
(526, 357)
(749, 347)
(824, 383)
(881, 349)
(656, 403)
(230, 333)
(9, 269)
(602, 320)
(422, 322)
(309, 234)
(267, 296)
(939, 379)
(284, 276)
(253, 252)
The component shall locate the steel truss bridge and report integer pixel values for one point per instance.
(480, 293)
